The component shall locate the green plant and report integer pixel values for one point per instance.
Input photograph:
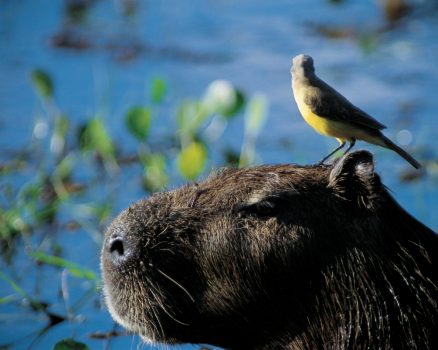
(67, 180)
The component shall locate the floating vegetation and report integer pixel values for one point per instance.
(63, 184)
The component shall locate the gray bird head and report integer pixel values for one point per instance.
(302, 66)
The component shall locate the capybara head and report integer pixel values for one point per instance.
(286, 256)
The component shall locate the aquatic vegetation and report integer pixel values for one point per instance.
(63, 184)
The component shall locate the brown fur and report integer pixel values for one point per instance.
(276, 257)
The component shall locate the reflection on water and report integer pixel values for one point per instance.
(101, 56)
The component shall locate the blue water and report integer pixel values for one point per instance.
(192, 43)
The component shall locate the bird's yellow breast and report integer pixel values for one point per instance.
(321, 125)
(341, 130)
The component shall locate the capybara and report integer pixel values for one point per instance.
(276, 257)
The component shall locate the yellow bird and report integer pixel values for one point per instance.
(331, 114)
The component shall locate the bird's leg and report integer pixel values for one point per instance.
(333, 152)
(352, 142)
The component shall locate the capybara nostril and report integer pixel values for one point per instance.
(116, 247)
(119, 249)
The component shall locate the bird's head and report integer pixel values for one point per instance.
(302, 66)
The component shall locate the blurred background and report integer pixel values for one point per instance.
(105, 102)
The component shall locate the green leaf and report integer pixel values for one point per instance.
(138, 121)
(72, 267)
(95, 137)
(64, 169)
(190, 117)
(231, 157)
(61, 125)
(11, 223)
(57, 141)
(155, 175)
(186, 115)
(6, 299)
(70, 344)
(255, 116)
(36, 305)
(14, 286)
(47, 213)
(42, 83)
(191, 160)
(237, 107)
(158, 90)
(221, 97)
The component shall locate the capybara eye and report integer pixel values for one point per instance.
(263, 208)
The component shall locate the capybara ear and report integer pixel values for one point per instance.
(353, 178)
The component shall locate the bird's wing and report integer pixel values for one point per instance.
(330, 104)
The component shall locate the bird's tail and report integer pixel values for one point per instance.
(391, 145)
